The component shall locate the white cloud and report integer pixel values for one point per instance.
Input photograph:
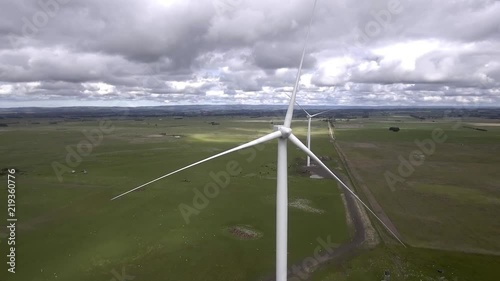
(157, 51)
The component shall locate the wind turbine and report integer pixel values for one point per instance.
(283, 134)
(309, 119)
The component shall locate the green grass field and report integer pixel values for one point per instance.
(446, 209)
(71, 230)
(412, 264)
(451, 200)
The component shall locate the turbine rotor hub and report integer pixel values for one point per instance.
(285, 131)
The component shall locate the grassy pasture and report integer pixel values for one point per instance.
(412, 264)
(71, 231)
(446, 209)
(452, 200)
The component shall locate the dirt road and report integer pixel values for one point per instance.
(302, 269)
(356, 177)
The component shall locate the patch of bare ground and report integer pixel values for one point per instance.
(348, 217)
(212, 149)
(486, 124)
(146, 139)
(371, 238)
(363, 145)
(349, 126)
(244, 232)
(304, 205)
(139, 139)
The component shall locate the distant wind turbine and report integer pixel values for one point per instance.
(309, 119)
(283, 134)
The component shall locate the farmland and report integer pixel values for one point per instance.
(445, 203)
(445, 209)
(70, 230)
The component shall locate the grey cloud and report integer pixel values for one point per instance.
(282, 55)
(139, 48)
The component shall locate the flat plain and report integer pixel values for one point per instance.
(446, 210)
(443, 196)
(70, 230)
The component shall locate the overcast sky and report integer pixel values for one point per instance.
(168, 52)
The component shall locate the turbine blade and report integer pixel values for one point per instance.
(302, 108)
(314, 115)
(300, 145)
(265, 138)
(289, 112)
(297, 103)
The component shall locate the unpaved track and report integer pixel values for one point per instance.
(356, 177)
(337, 254)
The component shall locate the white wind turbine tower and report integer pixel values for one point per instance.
(283, 134)
(309, 119)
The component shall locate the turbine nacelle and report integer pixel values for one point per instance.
(285, 131)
